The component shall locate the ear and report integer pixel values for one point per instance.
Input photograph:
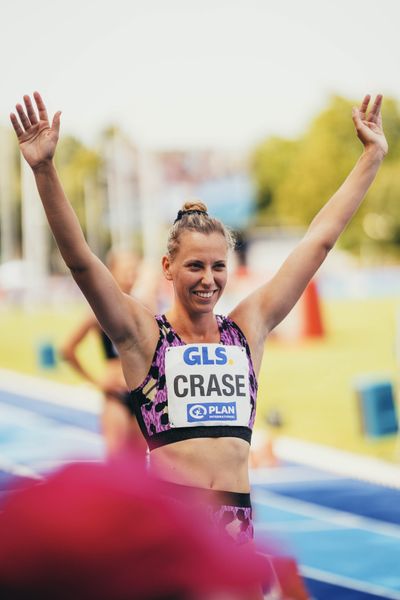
(166, 265)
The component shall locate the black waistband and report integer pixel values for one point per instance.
(179, 434)
(216, 497)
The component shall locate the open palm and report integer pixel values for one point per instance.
(369, 126)
(37, 140)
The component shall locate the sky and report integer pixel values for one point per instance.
(196, 73)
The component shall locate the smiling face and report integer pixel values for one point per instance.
(198, 270)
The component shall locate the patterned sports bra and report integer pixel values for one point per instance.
(197, 390)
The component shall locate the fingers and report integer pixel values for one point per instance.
(374, 113)
(27, 117)
(26, 124)
(17, 127)
(357, 118)
(56, 122)
(30, 110)
(364, 106)
(41, 107)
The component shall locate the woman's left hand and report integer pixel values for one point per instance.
(369, 127)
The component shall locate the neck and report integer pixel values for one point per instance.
(194, 327)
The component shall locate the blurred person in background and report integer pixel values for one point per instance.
(193, 374)
(119, 424)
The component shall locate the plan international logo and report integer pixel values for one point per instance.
(212, 411)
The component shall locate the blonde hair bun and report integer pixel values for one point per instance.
(196, 219)
(194, 205)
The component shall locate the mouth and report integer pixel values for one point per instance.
(205, 295)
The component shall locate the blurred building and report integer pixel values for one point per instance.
(219, 178)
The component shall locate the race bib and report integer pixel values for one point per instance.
(208, 384)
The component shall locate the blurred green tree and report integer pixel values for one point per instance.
(270, 164)
(295, 177)
(77, 164)
(81, 171)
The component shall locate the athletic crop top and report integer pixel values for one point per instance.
(197, 390)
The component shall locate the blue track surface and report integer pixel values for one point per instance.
(360, 498)
(345, 534)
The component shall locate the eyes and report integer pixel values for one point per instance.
(220, 266)
(198, 266)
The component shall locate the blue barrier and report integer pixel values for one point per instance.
(46, 355)
(376, 406)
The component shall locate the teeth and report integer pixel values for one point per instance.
(204, 294)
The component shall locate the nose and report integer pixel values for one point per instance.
(208, 278)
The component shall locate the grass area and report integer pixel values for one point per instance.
(310, 383)
(23, 332)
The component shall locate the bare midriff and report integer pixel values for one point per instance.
(211, 463)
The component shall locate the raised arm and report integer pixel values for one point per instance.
(119, 315)
(266, 307)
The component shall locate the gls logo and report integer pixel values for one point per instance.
(193, 355)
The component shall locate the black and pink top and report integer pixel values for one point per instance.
(197, 390)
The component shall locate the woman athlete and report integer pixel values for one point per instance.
(119, 425)
(194, 373)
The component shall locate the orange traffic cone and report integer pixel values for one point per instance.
(289, 583)
(312, 314)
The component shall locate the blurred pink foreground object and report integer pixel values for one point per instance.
(108, 531)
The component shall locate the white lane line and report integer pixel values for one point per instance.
(348, 582)
(24, 419)
(290, 474)
(338, 517)
(296, 526)
(346, 464)
(80, 397)
(33, 419)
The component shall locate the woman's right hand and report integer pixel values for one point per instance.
(37, 140)
(369, 126)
